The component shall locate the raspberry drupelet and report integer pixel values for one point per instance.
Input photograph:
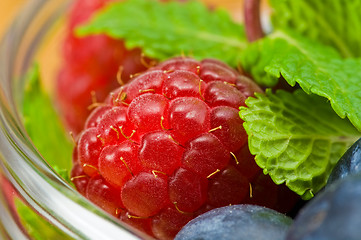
(170, 145)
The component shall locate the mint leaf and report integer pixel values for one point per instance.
(333, 22)
(316, 68)
(37, 227)
(64, 173)
(43, 125)
(297, 138)
(164, 30)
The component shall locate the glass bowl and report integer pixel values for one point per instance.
(31, 192)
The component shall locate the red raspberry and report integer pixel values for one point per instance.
(170, 145)
(90, 64)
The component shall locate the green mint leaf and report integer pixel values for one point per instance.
(43, 124)
(64, 173)
(297, 138)
(316, 68)
(37, 227)
(164, 30)
(333, 22)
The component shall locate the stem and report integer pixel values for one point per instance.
(252, 20)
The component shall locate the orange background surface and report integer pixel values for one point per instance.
(8, 10)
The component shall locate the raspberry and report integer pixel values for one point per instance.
(170, 145)
(90, 64)
(187, 189)
(103, 194)
(94, 62)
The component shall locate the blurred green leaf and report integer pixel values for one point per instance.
(336, 23)
(37, 227)
(43, 124)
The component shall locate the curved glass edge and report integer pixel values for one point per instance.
(20, 164)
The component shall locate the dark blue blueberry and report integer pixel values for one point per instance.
(349, 163)
(334, 214)
(238, 222)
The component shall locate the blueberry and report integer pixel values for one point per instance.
(349, 163)
(241, 222)
(334, 214)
